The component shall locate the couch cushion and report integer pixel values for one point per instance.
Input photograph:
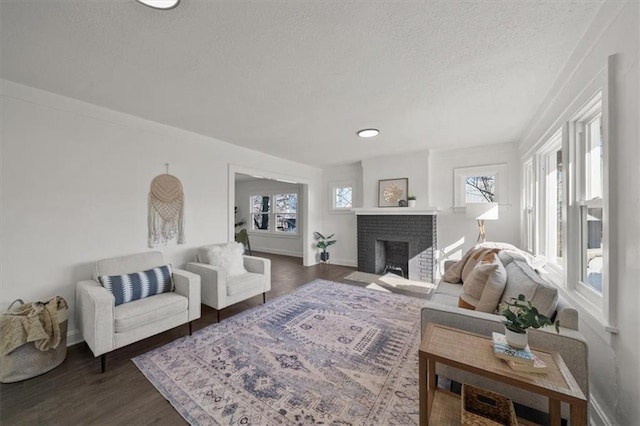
(448, 288)
(228, 257)
(138, 285)
(522, 279)
(247, 282)
(485, 284)
(149, 310)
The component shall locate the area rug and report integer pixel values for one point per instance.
(392, 282)
(328, 353)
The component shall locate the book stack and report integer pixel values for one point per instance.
(522, 360)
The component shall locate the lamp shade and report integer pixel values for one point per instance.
(482, 211)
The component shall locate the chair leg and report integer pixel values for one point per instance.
(264, 297)
(103, 362)
(218, 311)
(190, 327)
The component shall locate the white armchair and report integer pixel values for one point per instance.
(106, 326)
(220, 289)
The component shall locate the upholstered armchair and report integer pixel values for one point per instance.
(228, 276)
(110, 318)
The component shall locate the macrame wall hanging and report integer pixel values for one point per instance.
(166, 210)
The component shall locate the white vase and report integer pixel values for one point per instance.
(516, 340)
(412, 203)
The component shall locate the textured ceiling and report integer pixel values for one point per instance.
(296, 79)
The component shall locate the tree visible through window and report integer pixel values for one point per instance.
(286, 212)
(278, 209)
(261, 207)
(343, 197)
(480, 189)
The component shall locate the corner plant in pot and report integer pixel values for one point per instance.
(322, 243)
(521, 315)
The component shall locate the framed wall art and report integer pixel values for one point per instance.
(393, 192)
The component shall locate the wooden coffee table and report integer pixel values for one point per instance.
(473, 353)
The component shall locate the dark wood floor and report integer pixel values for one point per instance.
(75, 393)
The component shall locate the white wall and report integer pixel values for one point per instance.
(414, 166)
(341, 223)
(290, 245)
(431, 181)
(613, 358)
(75, 180)
(456, 233)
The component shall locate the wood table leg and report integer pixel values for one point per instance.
(578, 414)
(554, 412)
(431, 385)
(422, 392)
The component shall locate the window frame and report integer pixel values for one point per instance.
(542, 159)
(580, 204)
(460, 175)
(596, 311)
(273, 231)
(331, 188)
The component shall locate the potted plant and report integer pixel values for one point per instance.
(411, 199)
(521, 315)
(322, 243)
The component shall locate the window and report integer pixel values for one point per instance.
(589, 150)
(342, 197)
(528, 206)
(564, 201)
(554, 204)
(261, 208)
(286, 212)
(278, 209)
(481, 184)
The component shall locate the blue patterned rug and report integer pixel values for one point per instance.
(328, 353)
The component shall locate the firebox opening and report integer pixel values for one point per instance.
(393, 257)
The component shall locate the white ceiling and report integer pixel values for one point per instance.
(297, 79)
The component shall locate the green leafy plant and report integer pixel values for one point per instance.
(323, 242)
(411, 197)
(520, 315)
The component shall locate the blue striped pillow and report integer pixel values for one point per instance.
(138, 285)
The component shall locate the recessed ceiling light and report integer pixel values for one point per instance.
(160, 4)
(368, 133)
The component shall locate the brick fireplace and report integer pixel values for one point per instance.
(399, 243)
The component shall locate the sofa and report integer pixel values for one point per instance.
(107, 323)
(444, 308)
(228, 276)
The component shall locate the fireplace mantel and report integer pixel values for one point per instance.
(395, 211)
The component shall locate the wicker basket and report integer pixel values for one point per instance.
(481, 407)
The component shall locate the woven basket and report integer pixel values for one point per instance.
(27, 361)
(481, 407)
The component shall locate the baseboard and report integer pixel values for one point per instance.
(74, 337)
(343, 262)
(598, 416)
(276, 251)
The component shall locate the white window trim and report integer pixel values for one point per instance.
(600, 319)
(528, 207)
(461, 173)
(272, 215)
(333, 185)
(599, 303)
(541, 213)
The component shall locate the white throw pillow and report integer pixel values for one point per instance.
(228, 257)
